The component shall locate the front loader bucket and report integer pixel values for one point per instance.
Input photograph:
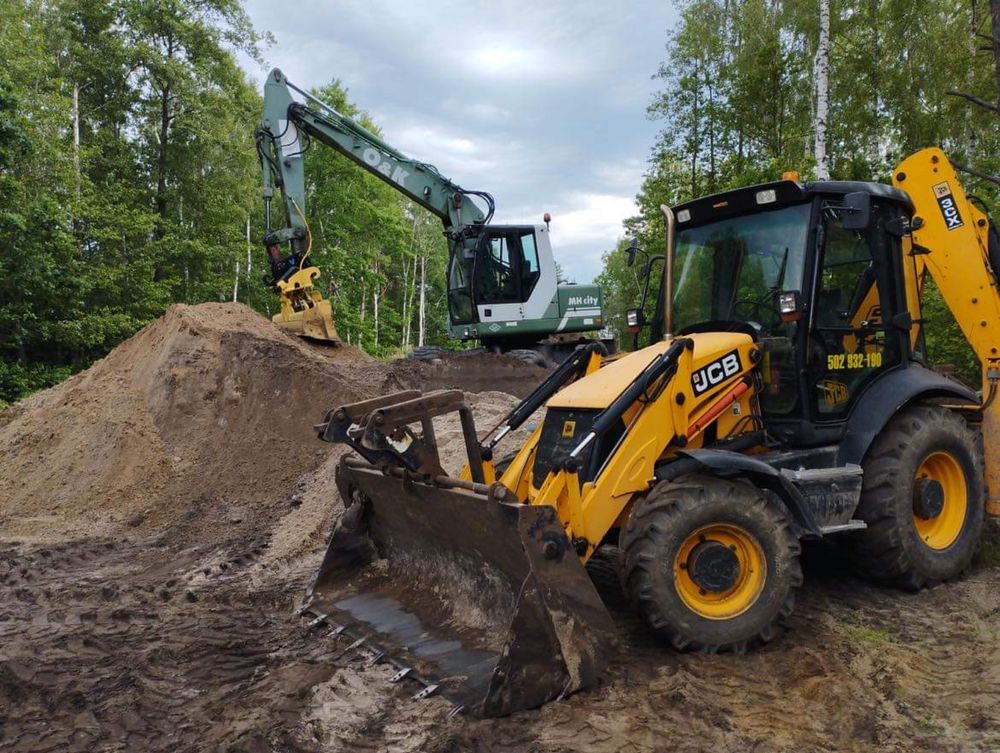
(485, 597)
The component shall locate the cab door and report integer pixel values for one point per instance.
(853, 298)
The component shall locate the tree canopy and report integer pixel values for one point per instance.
(738, 107)
(129, 181)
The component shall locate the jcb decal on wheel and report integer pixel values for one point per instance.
(716, 372)
(949, 209)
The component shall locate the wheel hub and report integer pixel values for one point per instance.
(928, 498)
(714, 567)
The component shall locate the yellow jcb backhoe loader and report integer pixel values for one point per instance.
(785, 395)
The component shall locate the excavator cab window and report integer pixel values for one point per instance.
(460, 301)
(506, 266)
(497, 272)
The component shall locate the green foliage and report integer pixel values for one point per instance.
(157, 201)
(737, 109)
(946, 345)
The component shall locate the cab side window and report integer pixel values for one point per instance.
(496, 281)
(847, 291)
(506, 267)
(848, 343)
(529, 264)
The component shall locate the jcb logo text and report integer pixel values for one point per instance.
(716, 372)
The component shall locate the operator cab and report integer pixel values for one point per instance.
(496, 272)
(814, 272)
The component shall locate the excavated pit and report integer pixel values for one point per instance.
(161, 514)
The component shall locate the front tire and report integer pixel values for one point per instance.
(711, 564)
(428, 353)
(923, 499)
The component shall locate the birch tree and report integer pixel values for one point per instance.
(822, 74)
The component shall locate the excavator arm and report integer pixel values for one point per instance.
(502, 281)
(282, 139)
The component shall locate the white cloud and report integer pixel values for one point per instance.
(625, 174)
(591, 218)
(506, 61)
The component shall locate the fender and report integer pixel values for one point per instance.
(729, 463)
(886, 397)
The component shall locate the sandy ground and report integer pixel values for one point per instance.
(162, 513)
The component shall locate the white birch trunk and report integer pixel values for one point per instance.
(822, 73)
(249, 255)
(405, 334)
(236, 281)
(423, 310)
(76, 140)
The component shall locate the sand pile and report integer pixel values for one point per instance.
(206, 414)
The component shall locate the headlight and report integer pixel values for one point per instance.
(788, 303)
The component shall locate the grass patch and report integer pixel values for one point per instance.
(865, 633)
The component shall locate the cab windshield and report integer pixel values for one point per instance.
(734, 269)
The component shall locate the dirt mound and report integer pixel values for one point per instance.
(204, 416)
(162, 512)
(209, 405)
(474, 371)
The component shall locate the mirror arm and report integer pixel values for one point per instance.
(668, 269)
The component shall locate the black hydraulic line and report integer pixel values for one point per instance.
(569, 370)
(661, 367)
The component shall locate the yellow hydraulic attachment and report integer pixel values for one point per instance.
(304, 311)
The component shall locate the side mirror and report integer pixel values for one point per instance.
(635, 320)
(857, 211)
(632, 250)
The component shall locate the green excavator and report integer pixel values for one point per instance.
(502, 286)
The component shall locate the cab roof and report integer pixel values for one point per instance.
(787, 192)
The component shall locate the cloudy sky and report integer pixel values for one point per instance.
(543, 104)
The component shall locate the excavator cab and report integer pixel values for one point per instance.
(503, 290)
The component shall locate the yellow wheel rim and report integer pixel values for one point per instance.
(748, 583)
(941, 531)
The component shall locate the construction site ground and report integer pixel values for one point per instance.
(161, 514)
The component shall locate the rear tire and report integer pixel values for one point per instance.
(427, 352)
(530, 357)
(902, 545)
(679, 522)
